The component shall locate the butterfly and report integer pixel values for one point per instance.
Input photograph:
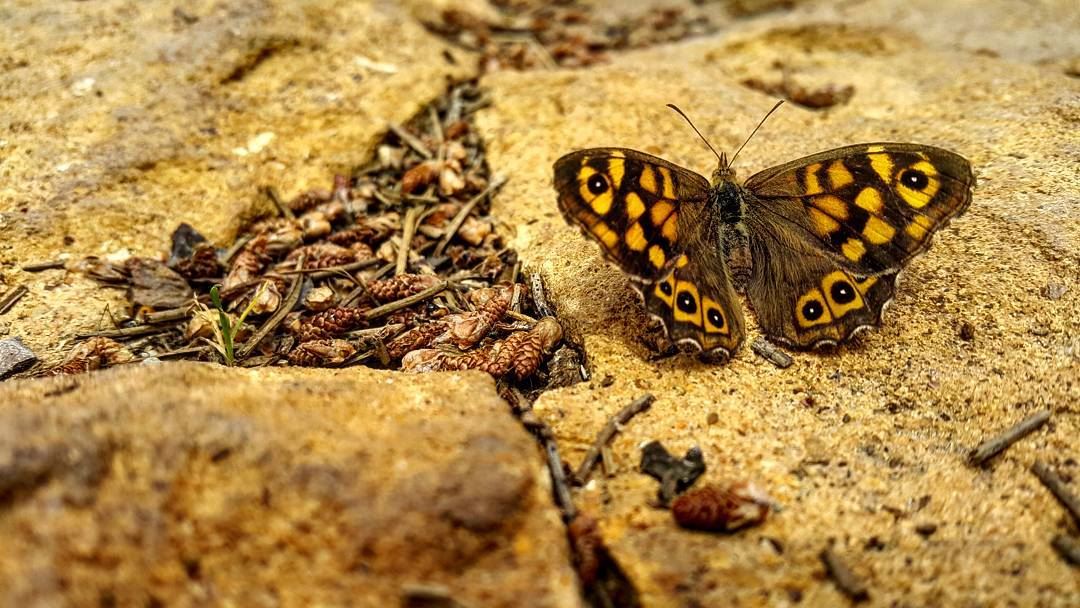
(815, 245)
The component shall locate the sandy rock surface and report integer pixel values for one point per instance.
(190, 484)
(121, 119)
(864, 445)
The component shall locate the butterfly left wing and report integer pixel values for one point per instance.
(648, 216)
(872, 207)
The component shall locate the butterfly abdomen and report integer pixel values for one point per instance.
(730, 200)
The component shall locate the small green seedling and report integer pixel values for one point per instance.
(226, 332)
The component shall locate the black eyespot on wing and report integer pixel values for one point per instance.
(716, 319)
(665, 288)
(812, 310)
(597, 184)
(914, 179)
(842, 293)
(687, 303)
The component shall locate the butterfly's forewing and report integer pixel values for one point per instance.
(831, 232)
(871, 206)
(648, 216)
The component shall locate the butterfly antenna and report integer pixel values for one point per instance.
(774, 108)
(687, 119)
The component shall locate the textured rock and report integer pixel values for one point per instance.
(867, 443)
(119, 120)
(191, 484)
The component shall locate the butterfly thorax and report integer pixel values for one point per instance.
(729, 200)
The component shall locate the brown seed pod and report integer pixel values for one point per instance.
(95, 353)
(319, 299)
(329, 323)
(321, 353)
(309, 200)
(400, 286)
(203, 263)
(315, 225)
(248, 263)
(469, 328)
(474, 231)
(523, 351)
(415, 338)
(421, 175)
(368, 232)
(322, 255)
(722, 508)
(437, 360)
(587, 544)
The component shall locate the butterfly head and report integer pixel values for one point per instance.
(723, 172)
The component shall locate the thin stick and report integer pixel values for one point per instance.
(771, 353)
(231, 252)
(39, 266)
(354, 295)
(410, 139)
(272, 194)
(171, 314)
(563, 499)
(329, 271)
(1069, 548)
(182, 352)
(127, 332)
(397, 305)
(279, 315)
(539, 294)
(624, 415)
(408, 230)
(459, 219)
(12, 297)
(995, 445)
(1057, 487)
(844, 578)
(436, 126)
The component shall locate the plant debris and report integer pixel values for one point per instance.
(995, 445)
(819, 98)
(397, 265)
(722, 508)
(674, 474)
(528, 35)
(845, 579)
(1058, 488)
(614, 424)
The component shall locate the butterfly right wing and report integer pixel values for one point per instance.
(650, 218)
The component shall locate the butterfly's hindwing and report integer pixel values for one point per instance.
(632, 204)
(697, 304)
(872, 206)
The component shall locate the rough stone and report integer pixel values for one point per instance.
(14, 357)
(863, 444)
(191, 484)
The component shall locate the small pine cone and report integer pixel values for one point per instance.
(315, 225)
(282, 235)
(469, 328)
(722, 508)
(321, 353)
(587, 544)
(329, 323)
(362, 251)
(307, 201)
(401, 286)
(417, 337)
(435, 360)
(203, 263)
(421, 175)
(523, 351)
(247, 264)
(322, 255)
(95, 353)
(369, 231)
